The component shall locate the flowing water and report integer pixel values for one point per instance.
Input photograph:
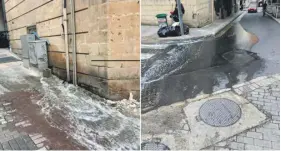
(185, 70)
(93, 122)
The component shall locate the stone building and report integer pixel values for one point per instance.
(198, 13)
(107, 39)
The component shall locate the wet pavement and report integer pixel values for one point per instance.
(67, 117)
(248, 49)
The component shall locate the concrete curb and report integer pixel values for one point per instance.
(260, 82)
(164, 43)
(272, 17)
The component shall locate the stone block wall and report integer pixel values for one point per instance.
(107, 39)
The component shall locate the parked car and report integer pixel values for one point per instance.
(260, 3)
(252, 8)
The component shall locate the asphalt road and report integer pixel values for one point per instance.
(249, 49)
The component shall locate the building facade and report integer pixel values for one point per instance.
(107, 39)
(198, 13)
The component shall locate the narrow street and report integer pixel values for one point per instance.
(215, 93)
(48, 113)
(247, 50)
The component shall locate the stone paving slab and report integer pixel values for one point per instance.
(266, 136)
(169, 122)
(10, 138)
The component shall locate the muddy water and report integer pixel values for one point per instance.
(185, 70)
(85, 120)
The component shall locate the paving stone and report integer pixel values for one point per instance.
(21, 143)
(240, 139)
(248, 140)
(40, 140)
(6, 146)
(31, 145)
(40, 145)
(277, 118)
(270, 97)
(276, 145)
(43, 148)
(271, 137)
(239, 146)
(14, 144)
(26, 138)
(259, 90)
(254, 135)
(271, 126)
(221, 148)
(36, 136)
(262, 143)
(252, 147)
(258, 102)
(252, 98)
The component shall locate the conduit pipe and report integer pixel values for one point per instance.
(73, 42)
(66, 40)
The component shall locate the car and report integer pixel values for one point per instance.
(252, 8)
(260, 3)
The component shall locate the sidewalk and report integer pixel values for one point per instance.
(149, 33)
(274, 18)
(47, 113)
(182, 126)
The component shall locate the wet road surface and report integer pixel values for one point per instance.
(249, 49)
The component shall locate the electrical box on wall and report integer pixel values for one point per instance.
(38, 55)
(25, 48)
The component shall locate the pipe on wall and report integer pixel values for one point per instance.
(73, 42)
(66, 40)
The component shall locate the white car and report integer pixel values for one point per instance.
(252, 8)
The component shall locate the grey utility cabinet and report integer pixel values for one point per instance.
(25, 48)
(38, 55)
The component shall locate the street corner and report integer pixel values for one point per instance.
(219, 117)
(164, 120)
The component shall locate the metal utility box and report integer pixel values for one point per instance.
(25, 48)
(24, 42)
(38, 55)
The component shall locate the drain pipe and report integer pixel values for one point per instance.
(66, 40)
(73, 42)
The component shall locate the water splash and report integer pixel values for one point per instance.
(88, 118)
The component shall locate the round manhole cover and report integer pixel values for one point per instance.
(153, 146)
(220, 112)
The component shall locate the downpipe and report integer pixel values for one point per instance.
(66, 40)
(73, 42)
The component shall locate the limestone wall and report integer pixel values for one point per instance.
(107, 40)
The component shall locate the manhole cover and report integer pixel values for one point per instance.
(220, 112)
(239, 57)
(154, 146)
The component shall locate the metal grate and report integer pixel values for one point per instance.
(154, 146)
(8, 59)
(220, 112)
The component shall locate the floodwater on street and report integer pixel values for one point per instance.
(206, 65)
(90, 121)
